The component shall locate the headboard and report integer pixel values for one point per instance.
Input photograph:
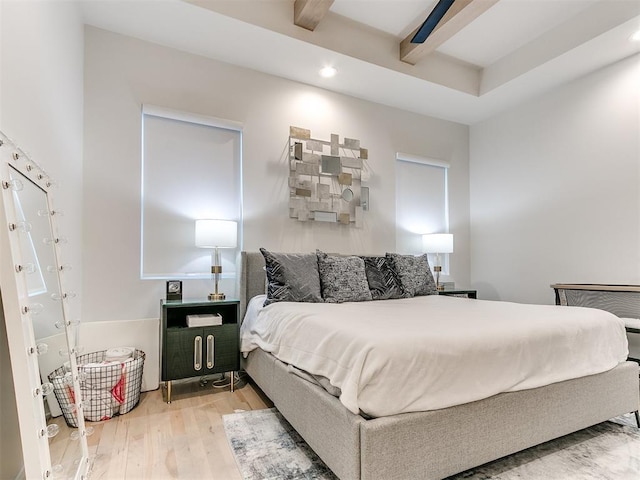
(252, 278)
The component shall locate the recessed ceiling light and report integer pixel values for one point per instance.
(328, 72)
(635, 37)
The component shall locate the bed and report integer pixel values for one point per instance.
(438, 442)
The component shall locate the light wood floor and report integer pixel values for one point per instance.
(182, 440)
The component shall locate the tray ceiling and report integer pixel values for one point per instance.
(511, 52)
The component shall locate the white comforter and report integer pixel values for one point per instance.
(431, 352)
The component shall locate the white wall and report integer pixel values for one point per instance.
(122, 73)
(555, 189)
(41, 75)
(41, 110)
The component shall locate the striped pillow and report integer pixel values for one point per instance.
(383, 280)
(291, 277)
(414, 274)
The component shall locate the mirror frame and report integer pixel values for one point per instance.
(20, 334)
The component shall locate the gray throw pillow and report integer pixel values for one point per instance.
(343, 279)
(414, 274)
(383, 280)
(292, 277)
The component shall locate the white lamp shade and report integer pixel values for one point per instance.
(216, 233)
(438, 243)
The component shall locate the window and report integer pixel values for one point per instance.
(422, 204)
(190, 170)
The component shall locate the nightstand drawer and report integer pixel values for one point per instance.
(201, 351)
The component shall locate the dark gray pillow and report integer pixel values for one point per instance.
(343, 279)
(414, 274)
(382, 279)
(292, 277)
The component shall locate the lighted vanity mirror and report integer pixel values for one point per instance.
(39, 265)
(37, 322)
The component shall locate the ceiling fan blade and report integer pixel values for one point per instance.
(432, 20)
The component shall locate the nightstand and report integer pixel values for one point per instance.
(459, 293)
(198, 351)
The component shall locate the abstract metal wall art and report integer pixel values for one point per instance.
(326, 177)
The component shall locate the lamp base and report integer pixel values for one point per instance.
(438, 269)
(216, 296)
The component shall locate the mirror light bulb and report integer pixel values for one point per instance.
(47, 388)
(24, 227)
(68, 379)
(52, 430)
(34, 309)
(16, 185)
(29, 268)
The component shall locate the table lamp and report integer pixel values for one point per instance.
(216, 234)
(438, 243)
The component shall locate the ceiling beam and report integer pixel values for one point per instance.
(458, 16)
(308, 13)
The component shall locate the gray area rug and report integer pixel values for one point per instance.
(266, 447)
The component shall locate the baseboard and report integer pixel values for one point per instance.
(143, 334)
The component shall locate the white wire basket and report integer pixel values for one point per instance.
(108, 387)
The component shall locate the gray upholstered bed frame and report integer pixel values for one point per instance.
(438, 443)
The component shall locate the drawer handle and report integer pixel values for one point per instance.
(210, 347)
(197, 353)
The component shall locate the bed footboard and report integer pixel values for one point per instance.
(439, 443)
